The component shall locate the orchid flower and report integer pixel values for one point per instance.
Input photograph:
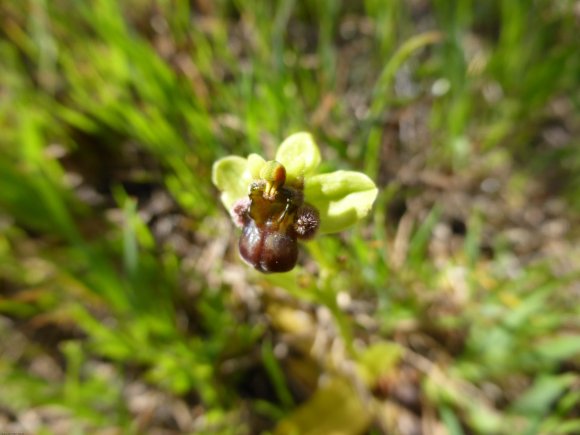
(279, 201)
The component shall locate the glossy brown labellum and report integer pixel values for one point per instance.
(268, 251)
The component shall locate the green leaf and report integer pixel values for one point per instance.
(299, 154)
(333, 409)
(232, 177)
(450, 421)
(540, 396)
(341, 197)
(559, 348)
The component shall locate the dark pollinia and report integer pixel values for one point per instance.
(273, 219)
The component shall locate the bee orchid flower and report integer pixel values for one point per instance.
(280, 201)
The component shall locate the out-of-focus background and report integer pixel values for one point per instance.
(454, 308)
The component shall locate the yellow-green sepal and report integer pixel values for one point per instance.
(232, 177)
(255, 165)
(341, 197)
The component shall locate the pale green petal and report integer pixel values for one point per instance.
(341, 197)
(232, 177)
(255, 163)
(299, 154)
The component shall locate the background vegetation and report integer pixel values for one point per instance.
(453, 308)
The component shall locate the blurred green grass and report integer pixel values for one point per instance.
(123, 304)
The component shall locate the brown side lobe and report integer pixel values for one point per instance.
(250, 244)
